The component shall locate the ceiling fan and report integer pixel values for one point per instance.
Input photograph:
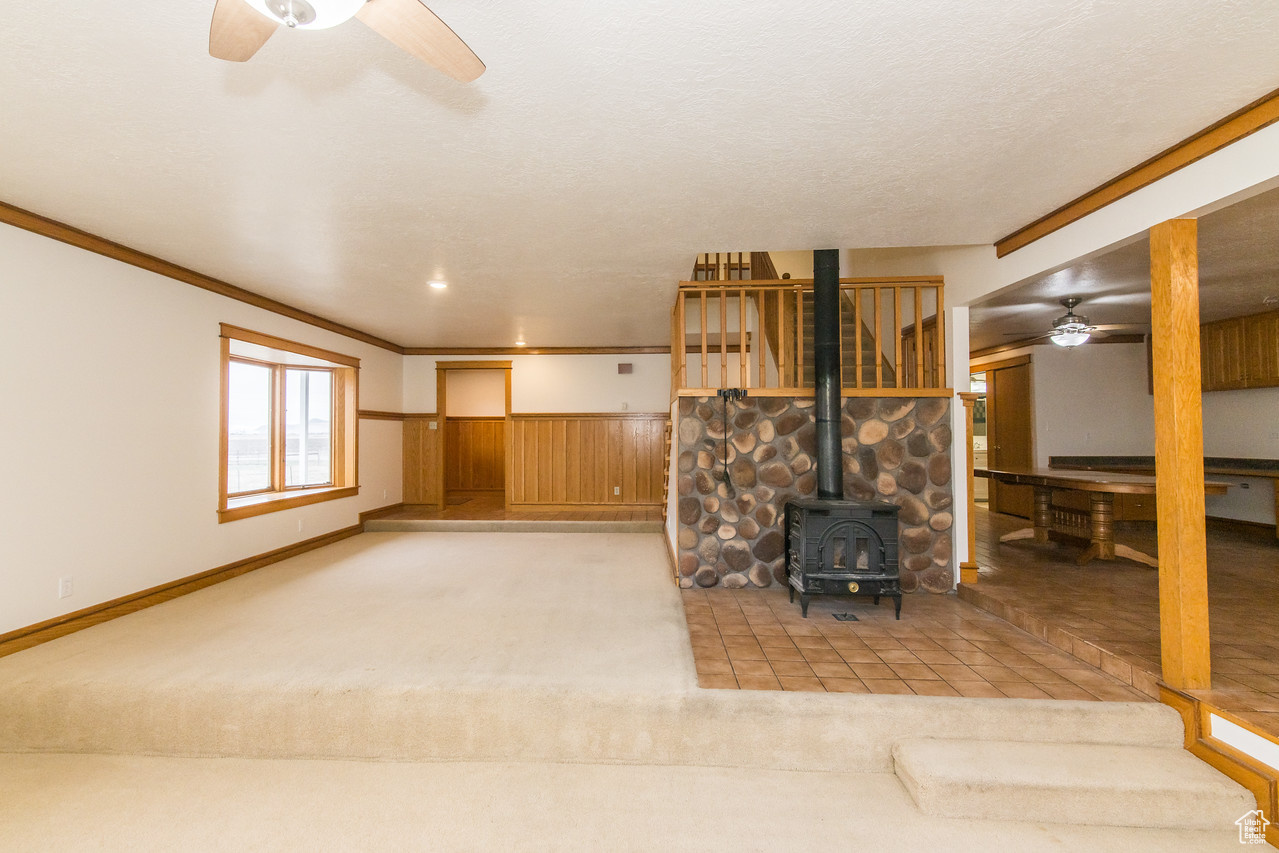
(1071, 329)
(240, 27)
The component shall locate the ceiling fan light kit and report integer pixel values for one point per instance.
(1070, 338)
(1070, 329)
(241, 27)
(308, 14)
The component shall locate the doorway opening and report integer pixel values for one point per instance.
(474, 402)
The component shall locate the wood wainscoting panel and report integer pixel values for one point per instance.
(421, 449)
(476, 454)
(580, 459)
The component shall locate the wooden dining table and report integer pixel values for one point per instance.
(1095, 526)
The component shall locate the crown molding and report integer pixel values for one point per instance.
(1259, 114)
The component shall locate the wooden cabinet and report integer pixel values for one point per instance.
(1242, 352)
(1261, 349)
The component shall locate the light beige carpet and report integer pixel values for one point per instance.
(460, 646)
(521, 690)
(71, 803)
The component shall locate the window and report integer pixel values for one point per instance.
(288, 424)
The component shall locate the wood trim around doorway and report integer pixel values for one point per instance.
(441, 416)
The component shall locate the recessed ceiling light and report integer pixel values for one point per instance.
(438, 284)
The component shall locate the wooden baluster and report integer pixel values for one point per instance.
(705, 355)
(799, 338)
(897, 337)
(919, 337)
(681, 341)
(941, 340)
(761, 300)
(879, 357)
(781, 339)
(723, 338)
(857, 333)
(742, 355)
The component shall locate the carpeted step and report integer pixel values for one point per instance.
(725, 728)
(1084, 784)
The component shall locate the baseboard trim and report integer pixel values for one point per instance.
(381, 512)
(1239, 525)
(60, 626)
(670, 555)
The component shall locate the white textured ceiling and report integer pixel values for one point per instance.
(1238, 273)
(564, 192)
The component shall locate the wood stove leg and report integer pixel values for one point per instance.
(897, 601)
(877, 601)
(803, 604)
(792, 594)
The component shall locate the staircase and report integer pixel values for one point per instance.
(848, 350)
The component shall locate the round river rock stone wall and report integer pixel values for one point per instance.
(896, 449)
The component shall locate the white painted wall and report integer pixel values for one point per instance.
(476, 393)
(1243, 424)
(559, 383)
(110, 427)
(1092, 400)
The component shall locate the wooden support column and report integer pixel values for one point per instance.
(968, 568)
(1183, 568)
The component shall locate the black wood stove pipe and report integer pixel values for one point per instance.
(830, 473)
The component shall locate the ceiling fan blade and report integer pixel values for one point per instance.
(1135, 328)
(237, 31)
(416, 30)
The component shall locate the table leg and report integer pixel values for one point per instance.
(1102, 516)
(1103, 547)
(1043, 512)
(1042, 518)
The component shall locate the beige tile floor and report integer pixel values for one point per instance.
(757, 640)
(1108, 612)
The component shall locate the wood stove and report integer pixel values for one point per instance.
(836, 547)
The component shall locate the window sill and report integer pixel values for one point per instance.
(252, 505)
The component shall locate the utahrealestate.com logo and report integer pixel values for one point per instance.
(1252, 827)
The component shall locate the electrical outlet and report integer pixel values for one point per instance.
(66, 586)
(617, 490)
(625, 405)
(432, 425)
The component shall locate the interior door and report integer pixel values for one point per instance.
(1010, 439)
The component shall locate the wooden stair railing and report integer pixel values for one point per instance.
(758, 334)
